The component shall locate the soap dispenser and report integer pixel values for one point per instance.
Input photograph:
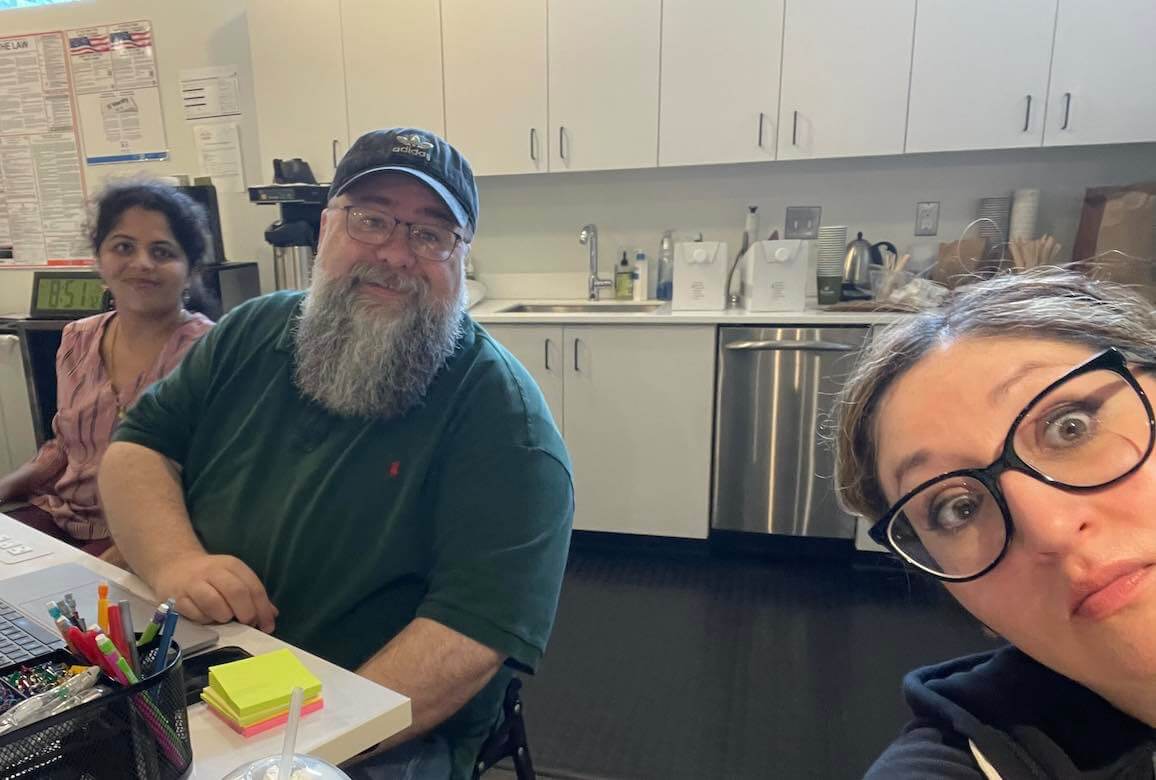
(623, 279)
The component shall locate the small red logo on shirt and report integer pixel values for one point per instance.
(394, 469)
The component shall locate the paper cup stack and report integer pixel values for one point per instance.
(832, 250)
(995, 209)
(1025, 210)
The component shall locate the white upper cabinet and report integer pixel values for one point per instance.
(604, 84)
(720, 81)
(846, 68)
(495, 84)
(1103, 73)
(979, 77)
(393, 65)
(300, 94)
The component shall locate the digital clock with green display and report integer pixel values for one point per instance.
(66, 294)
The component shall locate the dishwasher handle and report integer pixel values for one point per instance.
(789, 346)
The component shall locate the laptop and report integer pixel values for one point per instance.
(29, 593)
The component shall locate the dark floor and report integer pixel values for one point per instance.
(682, 664)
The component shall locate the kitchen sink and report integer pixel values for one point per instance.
(594, 307)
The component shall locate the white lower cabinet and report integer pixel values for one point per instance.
(539, 349)
(636, 409)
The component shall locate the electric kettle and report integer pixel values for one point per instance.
(861, 255)
(857, 264)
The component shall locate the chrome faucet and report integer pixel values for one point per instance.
(588, 235)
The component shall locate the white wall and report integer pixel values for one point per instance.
(530, 223)
(187, 35)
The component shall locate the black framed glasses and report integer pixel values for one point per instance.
(373, 226)
(1090, 428)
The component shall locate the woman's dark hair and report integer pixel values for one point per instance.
(187, 220)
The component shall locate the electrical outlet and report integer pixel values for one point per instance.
(802, 222)
(927, 218)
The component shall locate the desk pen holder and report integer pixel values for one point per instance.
(140, 731)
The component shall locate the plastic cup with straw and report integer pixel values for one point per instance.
(289, 764)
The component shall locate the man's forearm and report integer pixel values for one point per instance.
(436, 667)
(143, 502)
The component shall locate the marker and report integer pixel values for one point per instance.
(116, 628)
(71, 602)
(102, 606)
(155, 624)
(129, 636)
(166, 641)
(113, 658)
(82, 641)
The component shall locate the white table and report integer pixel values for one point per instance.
(357, 714)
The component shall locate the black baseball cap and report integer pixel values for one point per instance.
(421, 154)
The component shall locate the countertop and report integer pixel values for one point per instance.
(488, 312)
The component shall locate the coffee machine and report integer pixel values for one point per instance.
(294, 236)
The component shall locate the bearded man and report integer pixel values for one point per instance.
(360, 469)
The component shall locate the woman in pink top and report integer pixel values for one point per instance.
(149, 241)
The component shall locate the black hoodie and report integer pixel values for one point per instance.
(1016, 719)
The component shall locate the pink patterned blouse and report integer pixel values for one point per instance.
(66, 466)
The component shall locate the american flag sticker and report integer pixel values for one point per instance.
(130, 39)
(88, 44)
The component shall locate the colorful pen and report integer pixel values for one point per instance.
(132, 655)
(155, 624)
(102, 606)
(63, 626)
(114, 660)
(165, 641)
(55, 612)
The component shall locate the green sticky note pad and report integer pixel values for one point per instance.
(262, 682)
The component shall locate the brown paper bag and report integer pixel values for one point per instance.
(1122, 219)
(961, 262)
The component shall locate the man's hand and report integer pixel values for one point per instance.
(216, 589)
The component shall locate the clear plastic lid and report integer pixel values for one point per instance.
(304, 768)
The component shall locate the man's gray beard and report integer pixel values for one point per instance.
(361, 358)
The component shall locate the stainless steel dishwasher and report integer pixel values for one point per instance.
(773, 467)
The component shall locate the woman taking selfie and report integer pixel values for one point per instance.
(1002, 444)
(149, 241)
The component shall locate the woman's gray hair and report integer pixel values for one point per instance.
(1045, 304)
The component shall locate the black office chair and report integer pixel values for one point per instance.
(509, 740)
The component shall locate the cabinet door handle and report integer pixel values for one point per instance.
(333, 148)
(762, 117)
(1067, 110)
(788, 346)
(1028, 115)
(533, 145)
(547, 361)
(795, 130)
(562, 141)
(576, 343)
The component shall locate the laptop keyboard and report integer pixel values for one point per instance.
(22, 639)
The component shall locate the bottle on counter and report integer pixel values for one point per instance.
(664, 290)
(641, 276)
(623, 279)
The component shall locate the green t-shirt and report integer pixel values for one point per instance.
(459, 512)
